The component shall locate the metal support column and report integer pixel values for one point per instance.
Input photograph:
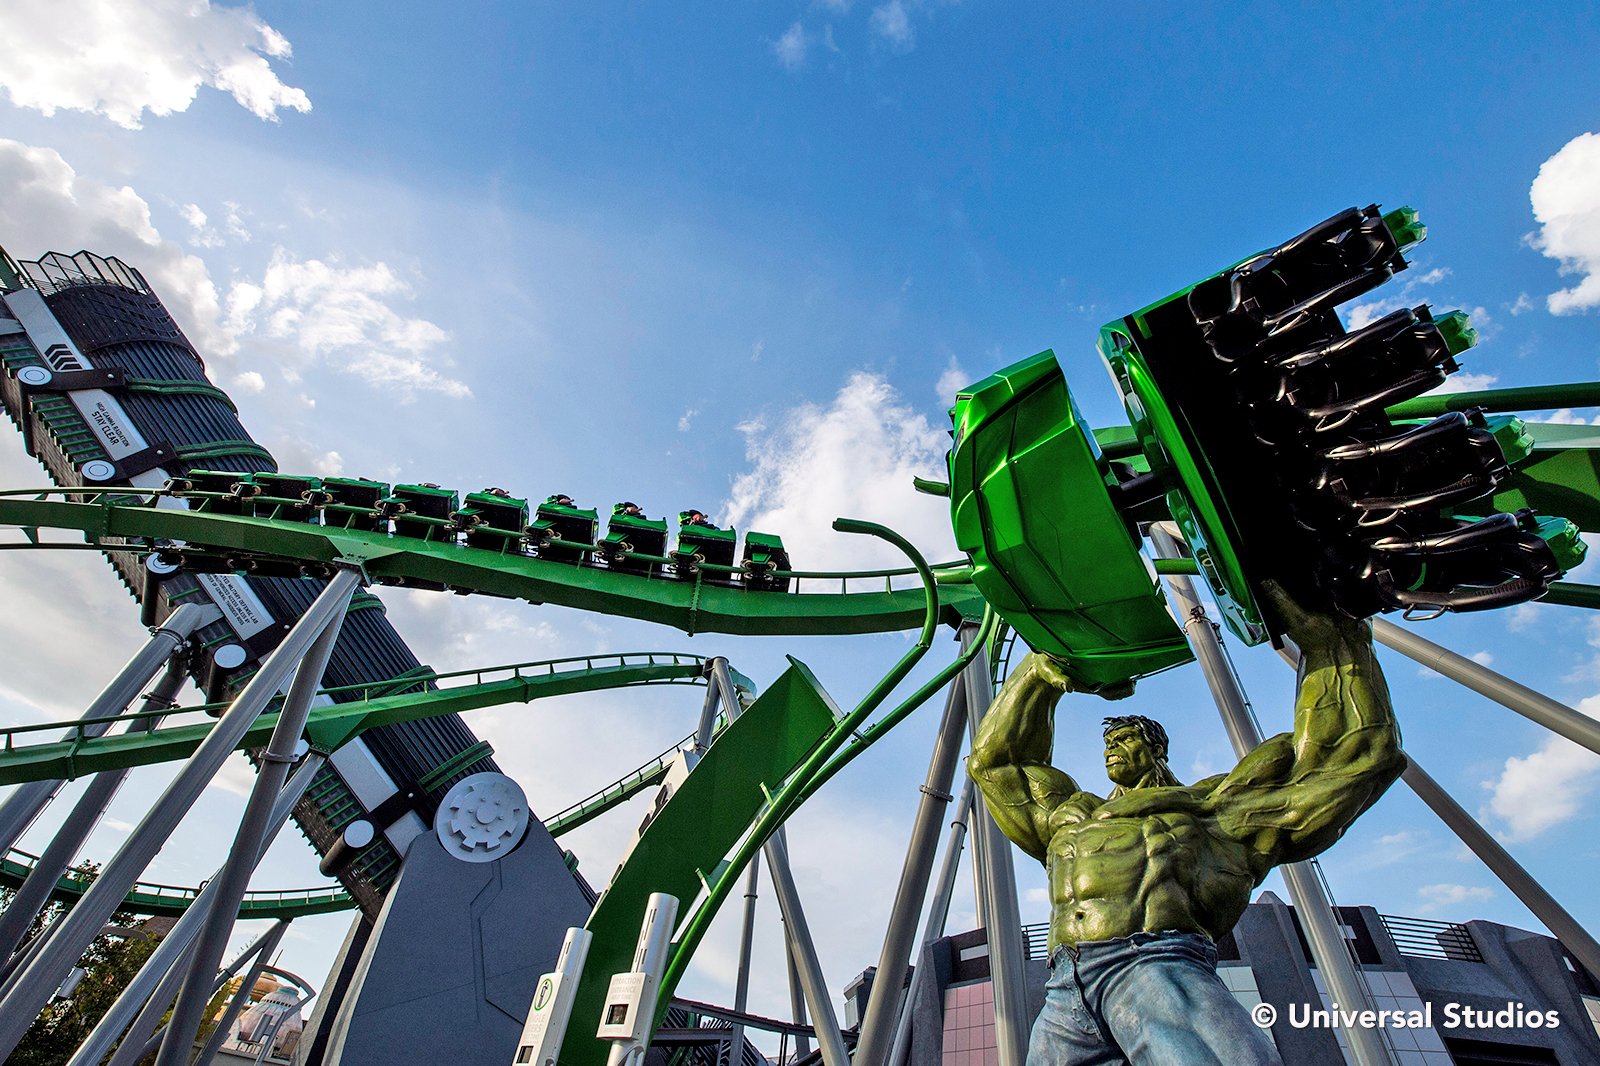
(34, 892)
(829, 1039)
(28, 799)
(145, 990)
(254, 825)
(797, 1002)
(1328, 946)
(1554, 716)
(708, 712)
(883, 1003)
(741, 983)
(1519, 881)
(83, 923)
(263, 954)
(997, 889)
(938, 913)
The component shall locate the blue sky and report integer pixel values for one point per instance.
(739, 257)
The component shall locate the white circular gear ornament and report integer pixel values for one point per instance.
(482, 818)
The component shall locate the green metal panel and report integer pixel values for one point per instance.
(692, 833)
(1030, 504)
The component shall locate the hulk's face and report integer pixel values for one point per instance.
(1129, 757)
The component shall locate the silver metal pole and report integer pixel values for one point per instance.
(829, 1038)
(883, 1003)
(997, 890)
(1554, 716)
(212, 940)
(708, 715)
(263, 954)
(797, 1002)
(1328, 946)
(741, 984)
(34, 892)
(24, 804)
(82, 924)
(167, 957)
(147, 1031)
(938, 914)
(1519, 881)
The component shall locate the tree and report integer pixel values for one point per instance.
(113, 958)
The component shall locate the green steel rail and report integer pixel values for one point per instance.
(150, 898)
(692, 606)
(330, 727)
(620, 791)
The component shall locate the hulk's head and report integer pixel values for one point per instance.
(1136, 753)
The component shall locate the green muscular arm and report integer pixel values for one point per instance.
(1294, 796)
(1010, 759)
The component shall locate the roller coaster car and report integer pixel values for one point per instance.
(563, 522)
(492, 521)
(421, 511)
(353, 503)
(630, 536)
(1047, 523)
(699, 544)
(214, 491)
(1266, 422)
(289, 497)
(764, 556)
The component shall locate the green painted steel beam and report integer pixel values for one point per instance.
(329, 727)
(684, 844)
(1530, 398)
(1571, 594)
(691, 606)
(172, 900)
(1561, 476)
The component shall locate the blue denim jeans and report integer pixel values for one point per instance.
(1150, 999)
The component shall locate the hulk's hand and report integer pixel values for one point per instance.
(1312, 629)
(1052, 673)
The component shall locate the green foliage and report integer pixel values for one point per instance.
(113, 958)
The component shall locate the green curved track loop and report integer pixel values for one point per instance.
(149, 898)
(691, 606)
(330, 727)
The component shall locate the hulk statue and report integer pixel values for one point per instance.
(1143, 881)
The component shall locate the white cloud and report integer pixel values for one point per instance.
(1566, 204)
(120, 60)
(344, 314)
(891, 23)
(952, 381)
(1540, 790)
(686, 420)
(49, 205)
(1523, 616)
(249, 382)
(1438, 897)
(792, 47)
(1466, 381)
(1483, 658)
(1524, 304)
(854, 458)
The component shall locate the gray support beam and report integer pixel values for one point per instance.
(883, 1004)
(34, 892)
(33, 986)
(254, 828)
(1328, 947)
(829, 1039)
(1519, 881)
(144, 991)
(797, 1002)
(741, 984)
(997, 890)
(938, 914)
(708, 714)
(264, 947)
(28, 799)
(1556, 717)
